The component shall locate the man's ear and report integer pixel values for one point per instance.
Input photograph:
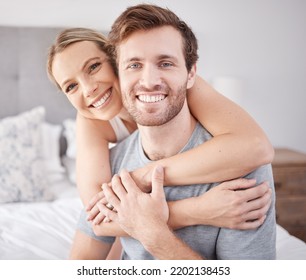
(191, 76)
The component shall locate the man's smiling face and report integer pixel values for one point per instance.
(153, 75)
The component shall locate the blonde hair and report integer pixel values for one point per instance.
(73, 35)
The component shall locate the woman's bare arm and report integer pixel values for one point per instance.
(238, 147)
(92, 164)
(93, 168)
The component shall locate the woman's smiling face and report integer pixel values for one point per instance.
(86, 76)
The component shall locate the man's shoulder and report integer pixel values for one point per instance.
(199, 136)
(262, 174)
(128, 141)
(201, 130)
(126, 148)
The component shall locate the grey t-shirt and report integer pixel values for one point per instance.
(211, 242)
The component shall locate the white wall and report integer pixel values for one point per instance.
(261, 42)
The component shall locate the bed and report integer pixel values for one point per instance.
(39, 204)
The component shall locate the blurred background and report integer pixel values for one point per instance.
(252, 51)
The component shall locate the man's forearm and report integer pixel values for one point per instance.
(164, 245)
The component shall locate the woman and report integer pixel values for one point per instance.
(81, 66)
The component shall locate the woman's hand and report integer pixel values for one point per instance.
(142, 177)
(93, 213)
(236, 204)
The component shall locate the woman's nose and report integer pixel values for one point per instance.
(89, 87)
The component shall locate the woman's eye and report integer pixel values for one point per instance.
(94, 66)
(70, 88)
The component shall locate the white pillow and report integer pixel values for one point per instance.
(51, 134)
(70, 134)
(22, 169)
(70, 156)
(70, 166)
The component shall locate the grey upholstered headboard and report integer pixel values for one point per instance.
(24, 83)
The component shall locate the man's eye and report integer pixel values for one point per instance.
(70, 88)
(134, 66)
(166, 64)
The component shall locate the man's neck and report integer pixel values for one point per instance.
(169, 139)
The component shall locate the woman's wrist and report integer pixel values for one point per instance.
(142, 176)
(183, 213)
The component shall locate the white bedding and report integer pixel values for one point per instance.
(288, 247)
(40, 230)
(44, 230)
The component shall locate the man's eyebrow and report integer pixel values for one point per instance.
(132, 59)
(159, 57)
(167, 56)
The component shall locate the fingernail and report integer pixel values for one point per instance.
(159, 168)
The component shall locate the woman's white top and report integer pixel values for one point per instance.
(119, 128)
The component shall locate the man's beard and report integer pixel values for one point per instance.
(151, 118)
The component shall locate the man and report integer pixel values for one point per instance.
(156, 56)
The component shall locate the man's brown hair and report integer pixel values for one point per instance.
(146, 17)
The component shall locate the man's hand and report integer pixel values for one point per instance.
(144, 216)
(138, 213)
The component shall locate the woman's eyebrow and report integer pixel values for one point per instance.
(82, 68)
(89, 60)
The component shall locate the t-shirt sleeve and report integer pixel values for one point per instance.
(258, 244)
(85, 227)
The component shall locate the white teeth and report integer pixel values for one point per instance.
(151, 98)
(102, 100)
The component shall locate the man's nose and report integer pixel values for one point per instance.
(150, 77)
